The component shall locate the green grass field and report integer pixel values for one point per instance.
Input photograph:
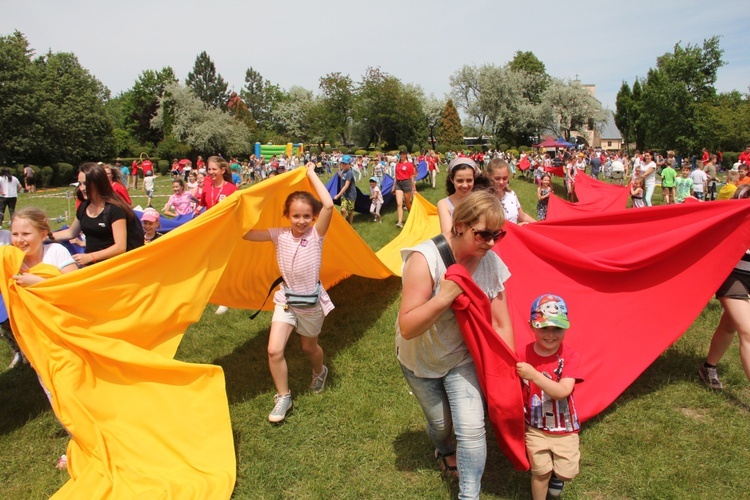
(363, 437)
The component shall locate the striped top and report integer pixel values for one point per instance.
(299, 260)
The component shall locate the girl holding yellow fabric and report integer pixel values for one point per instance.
(29, 229)
(299, 254)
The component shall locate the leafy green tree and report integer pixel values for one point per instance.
(141, 102)
(260, 96)
(433, 111)
(511, 115)
(19, 100)
(575, 109)
(75, 124)
(450, 132)
(292, 114)
(466, 92)
(388, 112)
(639, 131)
(527, 62)
(209, 86)
(338, 102)
(536, 78)
(625, 114)
(675, 94)
(206, 129)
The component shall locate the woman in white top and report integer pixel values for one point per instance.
(498, 173)
(9, 186)
(434, 359)
(648, 172)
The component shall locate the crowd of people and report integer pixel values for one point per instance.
(430, 348)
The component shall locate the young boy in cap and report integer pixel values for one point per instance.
(550, 372)
(149, 180)
(348, 192)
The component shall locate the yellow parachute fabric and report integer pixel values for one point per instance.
(103, 338)
(423, 223)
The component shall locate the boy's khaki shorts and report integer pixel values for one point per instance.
(548, 452)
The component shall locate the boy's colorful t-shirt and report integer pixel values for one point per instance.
(683, 186)
(543, 412)
(668, 176)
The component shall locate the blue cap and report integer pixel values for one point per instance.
(549, 310)
(346, 159)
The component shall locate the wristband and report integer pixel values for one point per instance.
(93, 259)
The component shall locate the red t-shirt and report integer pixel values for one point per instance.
(405, 171)
(147, 166)
(543, 412)
(122, 192)
(744, 158)
(431, 163)
(134, 169)
(212, 195)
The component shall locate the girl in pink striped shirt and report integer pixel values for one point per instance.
(299, 250)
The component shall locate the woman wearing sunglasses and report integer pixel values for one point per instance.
(498, 174)
(434, 358)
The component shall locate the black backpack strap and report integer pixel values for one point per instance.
(273, 285)
(445, 251)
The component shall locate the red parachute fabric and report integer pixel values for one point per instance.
(524, 164)
(496, 367)
(595, 197)
(633, 280)
(558, 171)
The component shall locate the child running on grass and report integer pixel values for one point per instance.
(550, 373)
(376, 200)
(299, 250)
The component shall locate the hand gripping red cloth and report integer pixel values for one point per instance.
(495, 364)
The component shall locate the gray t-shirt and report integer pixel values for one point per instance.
(351, 192)
(442, 348)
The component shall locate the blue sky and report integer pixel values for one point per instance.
(295, 42)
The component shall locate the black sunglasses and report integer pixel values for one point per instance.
(487, 236)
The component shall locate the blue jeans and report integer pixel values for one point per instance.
(455, 403)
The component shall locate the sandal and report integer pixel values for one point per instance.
(446, 468)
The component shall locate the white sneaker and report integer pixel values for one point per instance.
(282, 405)
(221, 310)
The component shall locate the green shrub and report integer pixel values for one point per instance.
(64, 174)
(45, 177)
(503, 147)
(361, 152)
(441, 149)
(523, 149)
(328, 150)
(314, 150)
(513, 152)
(416, 148)
(730, 158)
(163, 167)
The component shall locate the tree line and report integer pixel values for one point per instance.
(53, 110)
(676, 105)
